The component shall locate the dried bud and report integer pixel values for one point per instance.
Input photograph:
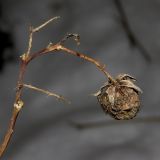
(120, 99)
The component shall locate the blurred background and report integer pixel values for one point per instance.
(124, 35)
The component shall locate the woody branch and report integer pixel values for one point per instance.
(25, 59)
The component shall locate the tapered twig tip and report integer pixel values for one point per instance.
(45, 23)
(59, 97)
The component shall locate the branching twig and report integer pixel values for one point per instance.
(131, 36)
(24, 61)
(58, 47)
(33, 30)
(59, 97)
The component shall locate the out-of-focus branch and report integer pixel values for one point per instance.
(88, 125)
(60, 47)
(133, 40)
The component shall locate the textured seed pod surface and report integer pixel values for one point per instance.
(120, 100)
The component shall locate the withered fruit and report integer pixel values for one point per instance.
(121, 98)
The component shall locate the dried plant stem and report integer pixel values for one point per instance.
(59, 47)
(18, 104)
(33, 30)
(24, 61)
(59, 97)
(9, 131)
(89, 59)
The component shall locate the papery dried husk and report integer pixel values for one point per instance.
(120, 100)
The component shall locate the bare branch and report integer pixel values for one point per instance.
(100, 66)
(58, 47)
(44, 24)
(16, 109)
(59, 97)
(25, 59)
(33, 30)
(18, 104)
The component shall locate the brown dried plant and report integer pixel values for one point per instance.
(119, 90)
(120, 99)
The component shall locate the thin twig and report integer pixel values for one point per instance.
(33, 30)
(131, 36)
(58, 47)
(28, 57)
(9, 131)
(59, 97)
(100, 66)
(30, 40)
(18, 104)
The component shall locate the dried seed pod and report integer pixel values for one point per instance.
(120, 99)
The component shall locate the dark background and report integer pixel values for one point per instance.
(123, 34)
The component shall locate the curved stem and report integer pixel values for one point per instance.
(25, 59)
(24, 62)
(59, 47)
(81, 55)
